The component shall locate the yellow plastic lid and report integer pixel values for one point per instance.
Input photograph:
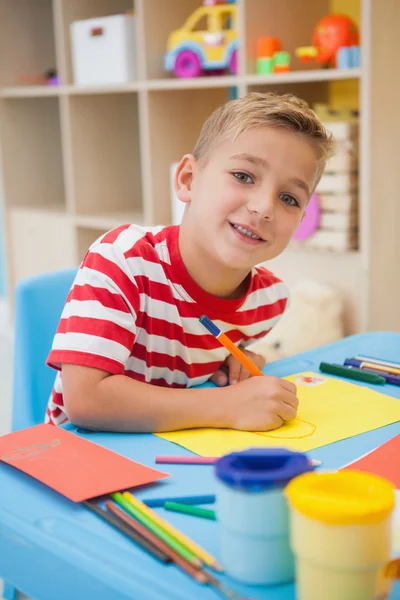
(343, 498)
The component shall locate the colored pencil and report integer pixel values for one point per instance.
(172, 531)
(378, 361)
(229, 345)
(374, 366)
(352, 363)
(163, 548)
(189, 509)
(133, 535)
(186, 460)
(165, 536)
(223, 589)
(198, 460)
(159, 502)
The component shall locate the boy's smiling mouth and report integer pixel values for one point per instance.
(246, 233)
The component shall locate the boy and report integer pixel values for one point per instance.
(130, 346)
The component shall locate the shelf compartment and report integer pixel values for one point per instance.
(342, 270)
(160, 19)
(315, 91)
(168, 112)
(77, 10)
(288, 20)
(26, 38)
(105, 153)
(86, 236)
(39, 241)
(32, 156)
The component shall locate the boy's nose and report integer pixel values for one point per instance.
(263, 206)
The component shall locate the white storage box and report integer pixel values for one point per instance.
(103, 50)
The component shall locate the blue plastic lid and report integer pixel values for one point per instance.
(260, 468)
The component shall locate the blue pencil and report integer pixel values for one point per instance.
(156, 502)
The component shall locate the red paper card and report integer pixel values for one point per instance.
(383, 461)
(72, 466)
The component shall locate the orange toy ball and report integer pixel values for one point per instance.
(331, 33)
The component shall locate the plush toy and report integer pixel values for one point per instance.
(314, 317)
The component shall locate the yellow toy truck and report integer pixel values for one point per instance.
(207, 42)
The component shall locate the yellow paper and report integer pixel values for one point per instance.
(329, 410)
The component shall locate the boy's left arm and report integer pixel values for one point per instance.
(231, 371)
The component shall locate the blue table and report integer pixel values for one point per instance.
(51, 548)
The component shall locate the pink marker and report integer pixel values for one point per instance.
(201, 460)
(186, 460)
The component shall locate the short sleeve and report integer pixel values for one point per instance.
(98, 324)
(269, 302)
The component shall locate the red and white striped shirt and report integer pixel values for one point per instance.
(134, 310)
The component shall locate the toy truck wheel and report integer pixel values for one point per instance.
(233, 63)
(187, 64)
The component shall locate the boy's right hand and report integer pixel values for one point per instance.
(261, 403)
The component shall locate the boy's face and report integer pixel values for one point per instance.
(248, 198)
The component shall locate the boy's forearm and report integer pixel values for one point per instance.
(119, 403)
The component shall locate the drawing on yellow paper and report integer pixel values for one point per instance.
(294, 430)
(329, 410)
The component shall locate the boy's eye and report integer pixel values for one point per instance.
(289, 200)
(243, 177)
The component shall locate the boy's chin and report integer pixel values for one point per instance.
(236, 260)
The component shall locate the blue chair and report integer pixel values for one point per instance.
(39, 302)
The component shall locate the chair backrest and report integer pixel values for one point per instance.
(39, 302)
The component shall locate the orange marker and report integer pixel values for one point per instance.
(229, 345)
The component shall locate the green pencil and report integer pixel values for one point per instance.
(157, 530)
(189, 509)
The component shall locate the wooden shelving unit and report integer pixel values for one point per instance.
(79, 161)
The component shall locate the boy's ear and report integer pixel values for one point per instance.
(184, 178)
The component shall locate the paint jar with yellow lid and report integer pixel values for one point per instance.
(340, 527)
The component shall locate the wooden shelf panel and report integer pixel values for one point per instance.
(306, 76)
(105, 153)
(205, 82)
(342, 270)
(32, 159)
(223, 81)
(86, 236)
(26, 39)
(107, 221)
(40, 241)
(127, 88)
(33, 91)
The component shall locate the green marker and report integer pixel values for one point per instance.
(189, 509)
(351, 373)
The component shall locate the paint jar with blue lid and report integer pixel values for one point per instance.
(253, 513)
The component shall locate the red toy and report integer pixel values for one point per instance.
(330, 34)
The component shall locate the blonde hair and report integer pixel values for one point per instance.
(257, 110)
